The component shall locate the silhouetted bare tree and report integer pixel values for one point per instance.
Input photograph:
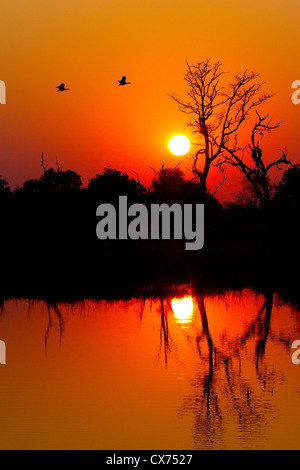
(217, 111)
(256, 173)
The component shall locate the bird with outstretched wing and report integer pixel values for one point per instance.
(123, 81)
(61, 87)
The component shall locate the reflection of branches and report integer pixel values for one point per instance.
(165, 341)
(164, 329)
(142, 308)
(222, 386)
(164, 334)
(211, 347)
(260, 329)
(264, 328)
(243, 397)
(282, 340)
(50, 324)
(209, 413)
(260, 326)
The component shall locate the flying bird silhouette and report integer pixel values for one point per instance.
(61, 87)
(123, 81)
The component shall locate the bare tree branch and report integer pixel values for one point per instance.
(43, 162)
(218, 111)
(256, 172)
(219, 185)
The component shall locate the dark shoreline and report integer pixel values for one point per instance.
(117, 273)
(49, 250)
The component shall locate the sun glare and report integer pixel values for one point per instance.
(182, 309)
(179, 145)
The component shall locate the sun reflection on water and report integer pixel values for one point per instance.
(183, 310)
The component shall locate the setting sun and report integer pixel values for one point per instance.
(179, 145)
(182, 309)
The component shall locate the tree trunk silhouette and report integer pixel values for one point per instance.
(217, 112)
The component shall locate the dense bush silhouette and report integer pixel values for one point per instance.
(111, 183)
(4, 186)
(287, 191)
(48, 233)
(52, 181)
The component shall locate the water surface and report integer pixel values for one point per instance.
(181, 372)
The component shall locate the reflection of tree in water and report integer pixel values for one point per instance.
(164, 333)
(223, 396)
(221, 391)
(165, 340)
(54, 307)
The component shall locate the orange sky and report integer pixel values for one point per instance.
(90, 44)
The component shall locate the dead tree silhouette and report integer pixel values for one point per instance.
(256, 173)
(217, 112)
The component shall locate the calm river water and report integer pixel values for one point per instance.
(188, 372)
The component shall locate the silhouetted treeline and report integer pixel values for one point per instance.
(48, 233)
(168, 185)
